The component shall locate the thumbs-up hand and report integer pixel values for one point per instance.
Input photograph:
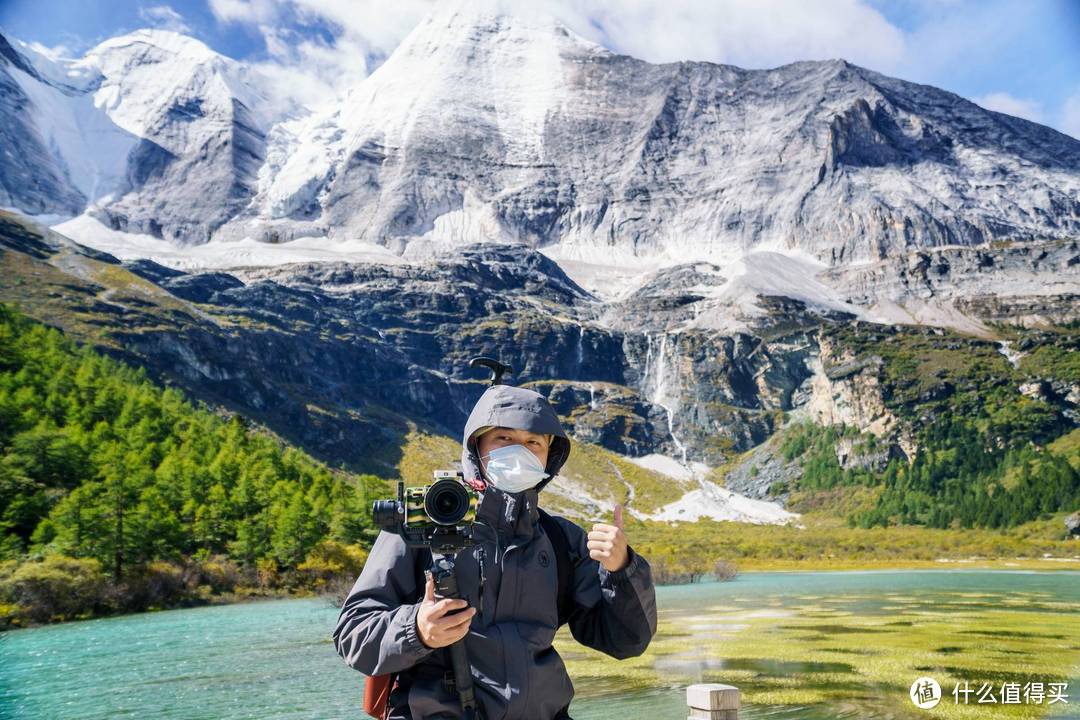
(607, 543)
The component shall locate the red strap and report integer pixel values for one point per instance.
(477, 483)
(377, 696)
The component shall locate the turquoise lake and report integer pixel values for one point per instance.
(275, 659)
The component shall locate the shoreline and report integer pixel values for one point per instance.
(1013, 565)
(975, 563)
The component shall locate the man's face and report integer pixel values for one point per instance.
(501, 436)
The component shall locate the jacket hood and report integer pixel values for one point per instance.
(519, 408)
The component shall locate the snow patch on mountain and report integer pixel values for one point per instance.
(158, 133)
(219, 255)
(708, 500)
(88, 146)
(736, 299)
(149, 77)
(713, 502)
(300, 156)
(670, 466)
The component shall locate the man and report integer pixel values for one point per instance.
(391, 622)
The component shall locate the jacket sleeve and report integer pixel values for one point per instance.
(376, 630)
(615, 612)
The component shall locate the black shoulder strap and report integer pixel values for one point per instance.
(563, 564)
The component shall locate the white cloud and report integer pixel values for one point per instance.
(369, 23)
(55, 52)
(311, 70)
(164, 17)
(747, 33)
(954, 38)
(308, 67)
(245, 11)
(1006, 103)
(1066, 119)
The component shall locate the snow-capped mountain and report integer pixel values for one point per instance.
(152, 132)
(822, 182)
(484, 126)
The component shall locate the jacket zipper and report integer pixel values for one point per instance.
(480, 601)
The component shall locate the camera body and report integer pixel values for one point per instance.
(438, 516)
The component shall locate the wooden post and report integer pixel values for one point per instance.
(713, 701)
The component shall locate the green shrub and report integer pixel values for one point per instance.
(158, 584)
(330, 560)
(220, 573)
(56, 588)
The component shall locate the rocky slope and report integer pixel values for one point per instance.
(348, 359)
(339, 358)
(351, 362)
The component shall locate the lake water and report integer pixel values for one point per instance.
(275, 659)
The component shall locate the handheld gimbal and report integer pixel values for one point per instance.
(439, 517)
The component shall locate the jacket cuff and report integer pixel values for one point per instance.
(633, 562)
(412, 644)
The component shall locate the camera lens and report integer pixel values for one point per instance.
(446, 502)
(385, 513)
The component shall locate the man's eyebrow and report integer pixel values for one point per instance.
(530, 433)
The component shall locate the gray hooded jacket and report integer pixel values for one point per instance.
(511, 577)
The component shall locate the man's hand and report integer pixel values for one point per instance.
(437, 629)
(607, 543)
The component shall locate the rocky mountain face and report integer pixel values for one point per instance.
(521, 131)
(823, 182)
(399, 338)
(30, 179)
(326, 351)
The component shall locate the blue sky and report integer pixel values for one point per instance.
(1016, 56)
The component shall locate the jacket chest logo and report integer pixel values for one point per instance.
(544, 559)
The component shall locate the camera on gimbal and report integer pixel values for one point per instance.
(438, 516)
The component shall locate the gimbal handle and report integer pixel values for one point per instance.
(497, 368)
(446, 586)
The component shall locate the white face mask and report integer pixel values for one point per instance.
(513, 468)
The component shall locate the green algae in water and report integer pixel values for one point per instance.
(867, 662)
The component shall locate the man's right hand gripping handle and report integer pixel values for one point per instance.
(378, 629)
(440, 623)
